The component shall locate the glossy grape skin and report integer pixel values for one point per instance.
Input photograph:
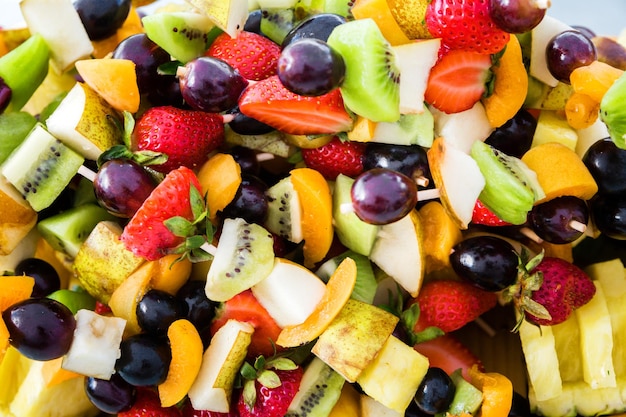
(102, 18)
(516, 16)
(246, 125)
(121, 186)
(147, 56)
(607, 165)
(435, 392)
(110, 396)
(552, 219)
(408, 160)
(381, 196)
(246, 158)
(567, 51)
(253, 22)
(5, 95)
(144, 359)
(310, 67)
(46, 277)
(157, 310)
(317, 26)
(488, 262)
(200, 310)
(514, 137)
(585, 31)
(210, 84)
(608, 212)
(250, 201)
(41, 329)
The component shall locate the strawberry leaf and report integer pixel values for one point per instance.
(269, 379)
(179, 226)
(249, 393)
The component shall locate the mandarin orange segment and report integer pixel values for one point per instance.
(187, 349)
(560, 171)
(497, 392)
(338, 291)
(379, 11)
(440, 234)
(594, 79)
(115, 80)
(317, 213)
(510, 85)
(581, 111)
(14, 289)
(220, 178)
(170, 273)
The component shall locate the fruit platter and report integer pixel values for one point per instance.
(371, 208)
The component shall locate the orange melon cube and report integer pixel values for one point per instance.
(115, 80)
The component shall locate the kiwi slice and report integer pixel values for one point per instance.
(371, 87)
(14, 127)
(613, 111)
(244, 257)
(467, 398)
(284, 211)
(319, 391)
(276, 23)
(184, 35)
(67, 230)
(511, 188)
(41, 167)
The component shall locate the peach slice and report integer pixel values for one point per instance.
(115, 80)
(440, 234)
(220, 178)
(338, 291)
(497, 392)
(380, 12)
(123, 302)
(15, 288)
(170, 274)
(187, 350)
(317, 215)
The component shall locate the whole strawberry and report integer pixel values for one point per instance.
(253, 55)
(185, 136)
(336, 157)
(188, 411)
(465, 24)
(146, 234)
(450, 304)
(565, 287)
(148, 404)
(269, 387)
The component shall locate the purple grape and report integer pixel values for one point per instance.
(409, 160)
(102, 18)
(559, 220)
(608, 212)
(246, 125)
(46, 277)
(607, 165)
(121, 186)
(516, 135)
(210, 84)
(246, 158)
(310, 67)
(317, 26)
(41, 329)
(144, 359)
(157, 310)
(250, 201)
(516, 16)
(381, 196)
(567, 51)
(5, 95)
(110, 396)
(200, 310)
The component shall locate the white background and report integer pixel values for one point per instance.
(605, 17)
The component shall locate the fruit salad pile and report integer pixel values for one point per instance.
(310, 208)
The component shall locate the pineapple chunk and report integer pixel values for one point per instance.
(553, 128)
(567, 344)
(596, 341)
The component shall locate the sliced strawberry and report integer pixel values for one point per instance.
(336, 157)
(448, 353)
(145, 234)
(245, 307)
(458, 80)
(253, 55)
(268, 101)
(148, 404)
(482, 215)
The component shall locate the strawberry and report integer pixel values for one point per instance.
(448, 353)
(269, 102)
(253, 55)
(245, 307)
(146, 234)
(458, 80)
(148, 404)
(466, 25)
(269, 387)
(565, 287)
(189, 411)
(336, 157)
(185, 136)
(482, 215)
(451, 304)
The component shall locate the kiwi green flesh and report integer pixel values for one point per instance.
(319, 391)
(67, 230)
(467, 398)
(41, 167)
(613, 111)
(183, 35)
(276, 23)
(14, 127)
(507, 190)
(371, 85)
(351, 231)
(244, 257)
(410, 129)
(366, 284)
(283, 209)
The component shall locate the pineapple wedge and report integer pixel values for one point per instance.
(567, 344)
